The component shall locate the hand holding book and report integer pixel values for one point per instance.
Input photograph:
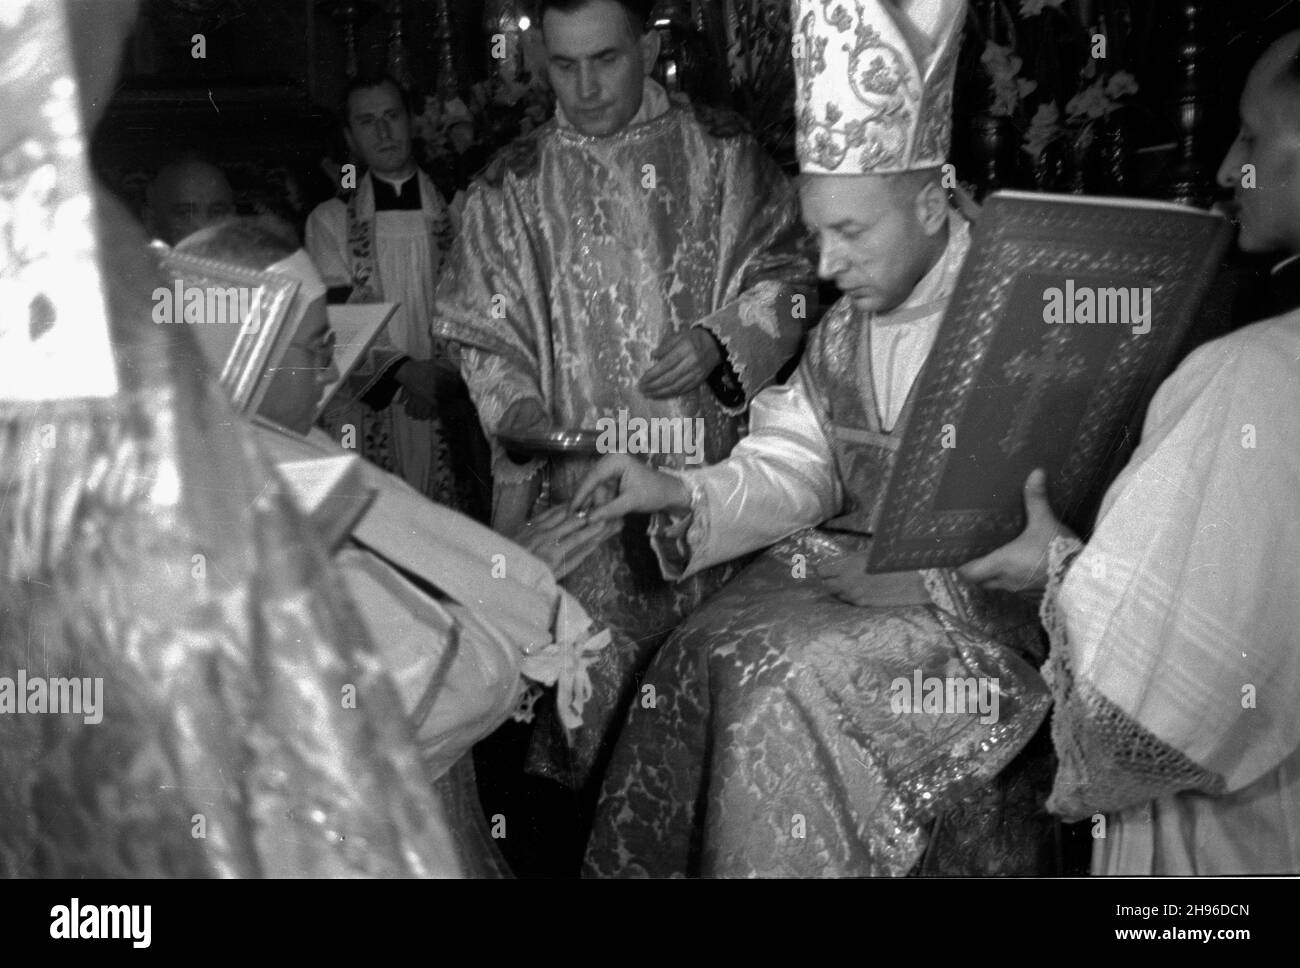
(1021, 564)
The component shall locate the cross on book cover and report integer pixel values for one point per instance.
(1065, 318)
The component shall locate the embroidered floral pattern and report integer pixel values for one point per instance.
(868, 102)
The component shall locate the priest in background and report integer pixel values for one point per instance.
(1174, 662)
(775, 739)
(408, 407)
(185, 195)
(636, 255)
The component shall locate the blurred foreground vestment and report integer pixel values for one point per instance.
(140, 545)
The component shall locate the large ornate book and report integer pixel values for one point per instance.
(240, 318)
(1065, 318)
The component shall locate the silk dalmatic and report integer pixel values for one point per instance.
(1174, 660)
(576, 257)
(770, 743)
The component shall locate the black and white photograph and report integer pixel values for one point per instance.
(569, 440)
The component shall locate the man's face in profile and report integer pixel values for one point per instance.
(306, 368)
(597, 62)
(379, 130)
(871, 242)
(187, 197)
(1263, 164)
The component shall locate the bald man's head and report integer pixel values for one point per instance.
(1282, 61)
(1263, 164)
(186, 196)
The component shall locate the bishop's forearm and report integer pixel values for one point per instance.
(777, 481)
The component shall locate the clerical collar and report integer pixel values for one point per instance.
(654, 104)
(392, 195)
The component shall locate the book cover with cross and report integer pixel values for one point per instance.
(1065, 318)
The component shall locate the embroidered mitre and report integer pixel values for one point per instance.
(873, 81)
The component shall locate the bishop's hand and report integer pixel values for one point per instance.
(620, 484)
(1021, 565)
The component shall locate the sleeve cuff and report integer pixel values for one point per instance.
(381, 390)
(672, 536)
(725, 381)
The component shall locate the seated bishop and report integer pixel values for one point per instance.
(468, 624)
(811, 719)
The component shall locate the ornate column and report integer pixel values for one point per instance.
(992, 142)
(691, 59)
(398, 65)
(506, 18)
(349, 14)
(1193, 60)
(672, 18)
(447, 77)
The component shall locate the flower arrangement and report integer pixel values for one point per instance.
(1070, 96)
(1096, 102)
(1008, 87)
(761, 72)
(457, 135)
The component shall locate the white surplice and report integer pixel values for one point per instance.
(1176, 631)
(408, 259)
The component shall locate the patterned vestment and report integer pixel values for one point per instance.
(772, 745)
(577, 256)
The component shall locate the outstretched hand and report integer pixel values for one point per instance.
(620, 484)
(1021, 564)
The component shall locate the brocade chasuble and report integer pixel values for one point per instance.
(576, 257)
(774, 748)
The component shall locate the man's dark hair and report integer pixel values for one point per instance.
(368, 82)
(638, 11)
